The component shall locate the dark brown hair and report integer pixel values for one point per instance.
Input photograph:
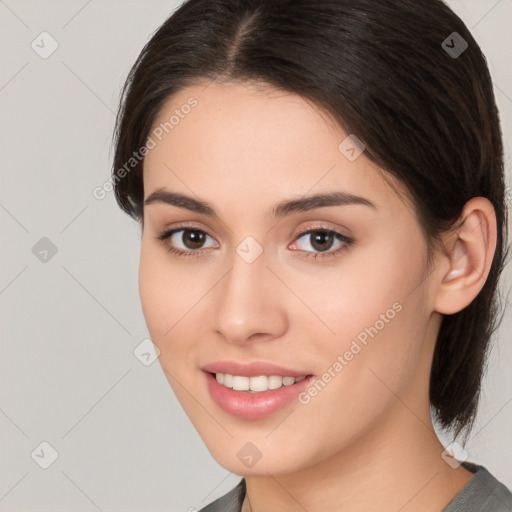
(394, 74)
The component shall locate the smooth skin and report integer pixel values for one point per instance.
(366, 441)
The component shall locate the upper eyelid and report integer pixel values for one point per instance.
(185, 226)
(318, 227)
(190, 224)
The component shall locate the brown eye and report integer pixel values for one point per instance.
(321, 240)
(193, 238)
(186, 241)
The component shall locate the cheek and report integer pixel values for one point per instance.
(154, 294)
(361, 376)
(379, 349)
(376, 315)
(163, 299)
(167, 291)
(171, 298)
(351, 296)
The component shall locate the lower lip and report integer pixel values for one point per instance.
(253, 406)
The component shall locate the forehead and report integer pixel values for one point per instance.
(252, 139)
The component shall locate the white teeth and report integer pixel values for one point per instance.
(228, 380)
(255, 384)
(274, 382)
(288, 381)
(258, 383)
(240, 383)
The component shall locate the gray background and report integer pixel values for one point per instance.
(69, 324)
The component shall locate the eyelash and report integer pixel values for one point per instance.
(347, 241)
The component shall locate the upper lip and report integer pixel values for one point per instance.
(252, 369)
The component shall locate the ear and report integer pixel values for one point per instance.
(463, 271)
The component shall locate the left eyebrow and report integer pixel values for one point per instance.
(282, 209)
(319, 201)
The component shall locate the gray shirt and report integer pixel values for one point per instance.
(483, 493)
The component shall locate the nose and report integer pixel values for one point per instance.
(249, 304)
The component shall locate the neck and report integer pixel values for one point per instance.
(395, 466)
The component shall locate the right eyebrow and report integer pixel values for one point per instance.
(181, 201)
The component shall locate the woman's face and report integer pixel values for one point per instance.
(331, 290)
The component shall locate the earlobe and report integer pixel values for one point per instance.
(470, 257)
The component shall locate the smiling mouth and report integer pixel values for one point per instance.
(258, 384)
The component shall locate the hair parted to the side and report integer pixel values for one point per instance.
(428, 119)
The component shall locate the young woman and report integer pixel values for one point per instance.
(321, 196)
